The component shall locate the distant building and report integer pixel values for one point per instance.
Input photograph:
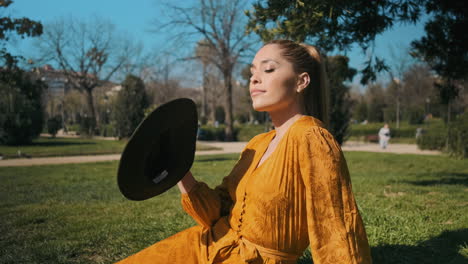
(56, 80)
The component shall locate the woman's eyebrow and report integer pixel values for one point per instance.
(252, 66)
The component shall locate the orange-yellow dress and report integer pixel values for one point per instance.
(300, 195)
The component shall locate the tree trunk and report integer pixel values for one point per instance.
(228, 106)
(92, 111)
(204, 94)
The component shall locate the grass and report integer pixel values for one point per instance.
(414, 208)
(52, 147)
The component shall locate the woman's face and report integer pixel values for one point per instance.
(273, 85)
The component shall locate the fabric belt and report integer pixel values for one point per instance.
(250, 251)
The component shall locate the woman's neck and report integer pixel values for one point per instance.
(282, 120)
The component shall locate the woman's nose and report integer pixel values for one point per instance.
(254, 79)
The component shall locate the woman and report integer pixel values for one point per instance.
(290, 187)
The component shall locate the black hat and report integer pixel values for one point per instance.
(160, 151)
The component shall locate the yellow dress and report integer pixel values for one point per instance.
(299, 196)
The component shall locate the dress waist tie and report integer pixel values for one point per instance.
(250, 251)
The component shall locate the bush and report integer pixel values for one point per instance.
(241, 133)
(360, 130)
(458, 136)
(75, 127)
(247, 132)
(87, 125)
(130, 105)
(211, 133)
(53, 125)
(108, 130)
(432, 139)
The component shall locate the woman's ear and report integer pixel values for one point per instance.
(303, 81)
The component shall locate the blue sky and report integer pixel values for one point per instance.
(135, 17)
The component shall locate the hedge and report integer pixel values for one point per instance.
(241, 133)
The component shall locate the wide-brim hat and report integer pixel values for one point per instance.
(160, 151)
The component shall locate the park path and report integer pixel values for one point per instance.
(227, 147)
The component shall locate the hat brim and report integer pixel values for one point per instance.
(160, 151)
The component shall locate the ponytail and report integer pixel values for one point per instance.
(307, 58)
(317, 95)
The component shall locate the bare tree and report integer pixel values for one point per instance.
(221, 25)
(401, 60)
(89, 54)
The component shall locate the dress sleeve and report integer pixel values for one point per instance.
(207, 205)
(335, 228)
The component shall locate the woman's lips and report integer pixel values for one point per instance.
(255, 92)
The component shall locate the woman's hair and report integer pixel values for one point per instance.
(307, 58)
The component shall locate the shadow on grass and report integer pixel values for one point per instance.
(441, 249)
(445, 178)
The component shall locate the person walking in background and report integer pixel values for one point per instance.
(384, 136)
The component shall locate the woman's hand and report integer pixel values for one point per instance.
(187, 183)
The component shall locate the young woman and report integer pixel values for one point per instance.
(290, 188)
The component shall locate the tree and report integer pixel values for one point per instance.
(444, 47)
(376, 104)
(220, 25)
(21, 114)
(341, 103)
(23, 27)
(89, 54)
(130, 105)
(333, 25)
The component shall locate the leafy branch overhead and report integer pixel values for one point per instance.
(332, 25)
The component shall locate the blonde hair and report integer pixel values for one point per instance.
(307, 58)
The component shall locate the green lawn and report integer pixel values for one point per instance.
(50, 147)
(414, 209)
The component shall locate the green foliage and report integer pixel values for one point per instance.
(54, 124)
(241, 133)
(434, 138)
(108, 130)
(23, 27)
(211, 133)
(332, 25)
(247, 132)
(21, 115)
(341, 103)
(412, 208)
(130, 105)
(444, 45)
(361, 130)
(458, 136)
(87, 126)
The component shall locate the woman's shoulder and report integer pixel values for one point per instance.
(259, 138)
(308, 126)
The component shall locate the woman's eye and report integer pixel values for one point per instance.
(269, 70)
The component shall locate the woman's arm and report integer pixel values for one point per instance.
(335, 227)
(187, 183)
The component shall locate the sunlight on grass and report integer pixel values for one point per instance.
(414, 209)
